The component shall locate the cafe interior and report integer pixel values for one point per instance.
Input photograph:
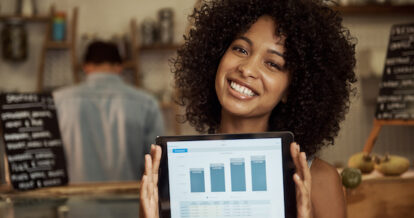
(42, 47)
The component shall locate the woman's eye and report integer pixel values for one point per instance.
(273, 65)
(239, 49)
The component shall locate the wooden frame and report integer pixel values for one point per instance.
(49, 44)
(375, 9)
(369, 144)
(5, 165)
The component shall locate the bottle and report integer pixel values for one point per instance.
(59, 26)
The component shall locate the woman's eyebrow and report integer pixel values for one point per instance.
(271, 51)
(247, 40)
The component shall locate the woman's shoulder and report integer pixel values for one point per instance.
(325, 175)
(322, 169)
(327, 194)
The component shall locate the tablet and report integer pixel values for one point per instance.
(227, 175)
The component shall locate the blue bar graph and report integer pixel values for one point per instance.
(197, 180)
(217, 177)
(259, 173)
(238, 174)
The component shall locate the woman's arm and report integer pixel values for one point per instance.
(328, 199)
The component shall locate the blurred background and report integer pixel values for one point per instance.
(148, 33)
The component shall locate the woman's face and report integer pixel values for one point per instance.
(251, 79)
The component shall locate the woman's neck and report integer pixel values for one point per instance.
(237, 124)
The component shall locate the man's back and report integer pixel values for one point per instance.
(107, 127)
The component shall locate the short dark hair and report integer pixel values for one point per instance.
(320, 56)
(99, 52)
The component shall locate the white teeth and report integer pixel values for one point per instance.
(241, 89)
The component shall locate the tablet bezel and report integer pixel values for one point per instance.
(288, 165)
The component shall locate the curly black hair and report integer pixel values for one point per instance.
(320, 56)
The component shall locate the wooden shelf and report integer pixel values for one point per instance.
(159, 47)
(36, 18)
(128, 64)
(384, 9)
(167, 105)
(76, 189)
(58, 45)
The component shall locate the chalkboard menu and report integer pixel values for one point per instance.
(396, 96)
(34, 149)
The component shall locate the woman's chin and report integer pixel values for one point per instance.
(237, 110)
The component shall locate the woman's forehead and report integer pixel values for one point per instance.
(265, 29)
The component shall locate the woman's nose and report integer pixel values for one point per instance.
(249, 67)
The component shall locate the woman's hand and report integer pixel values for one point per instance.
(302, 179)
(149, 185)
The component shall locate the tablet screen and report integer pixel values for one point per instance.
(226, 178)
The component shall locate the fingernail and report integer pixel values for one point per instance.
(303, 155)
(297, 147)
(296, 176)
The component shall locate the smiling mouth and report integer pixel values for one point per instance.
(241, 89)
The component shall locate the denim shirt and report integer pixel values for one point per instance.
(107, 127)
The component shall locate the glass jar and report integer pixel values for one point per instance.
(166, 25)
(14, 40)
(148, 32)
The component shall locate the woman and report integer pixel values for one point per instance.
(267, 65)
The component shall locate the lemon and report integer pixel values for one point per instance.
(392, 165)
(362, 161)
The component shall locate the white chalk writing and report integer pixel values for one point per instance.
(15, 115)
(43, 134)
(16, 145)
(16, 98)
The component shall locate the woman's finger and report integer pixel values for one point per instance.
(143, 194)
(303, 198)
(294, 151)
(305, 169)
(156, 152)
(156, 200)
(156, 158)
(150, 191)
(301, 189)
(148, 165)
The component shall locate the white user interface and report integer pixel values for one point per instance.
(226, 178)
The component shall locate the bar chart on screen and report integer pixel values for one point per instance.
(217, 181)
(237, 176)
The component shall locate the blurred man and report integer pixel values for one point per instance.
(106, 125)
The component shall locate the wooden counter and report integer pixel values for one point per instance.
(72, 201)
(376, 197)
(382, 197)
(75, 190)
